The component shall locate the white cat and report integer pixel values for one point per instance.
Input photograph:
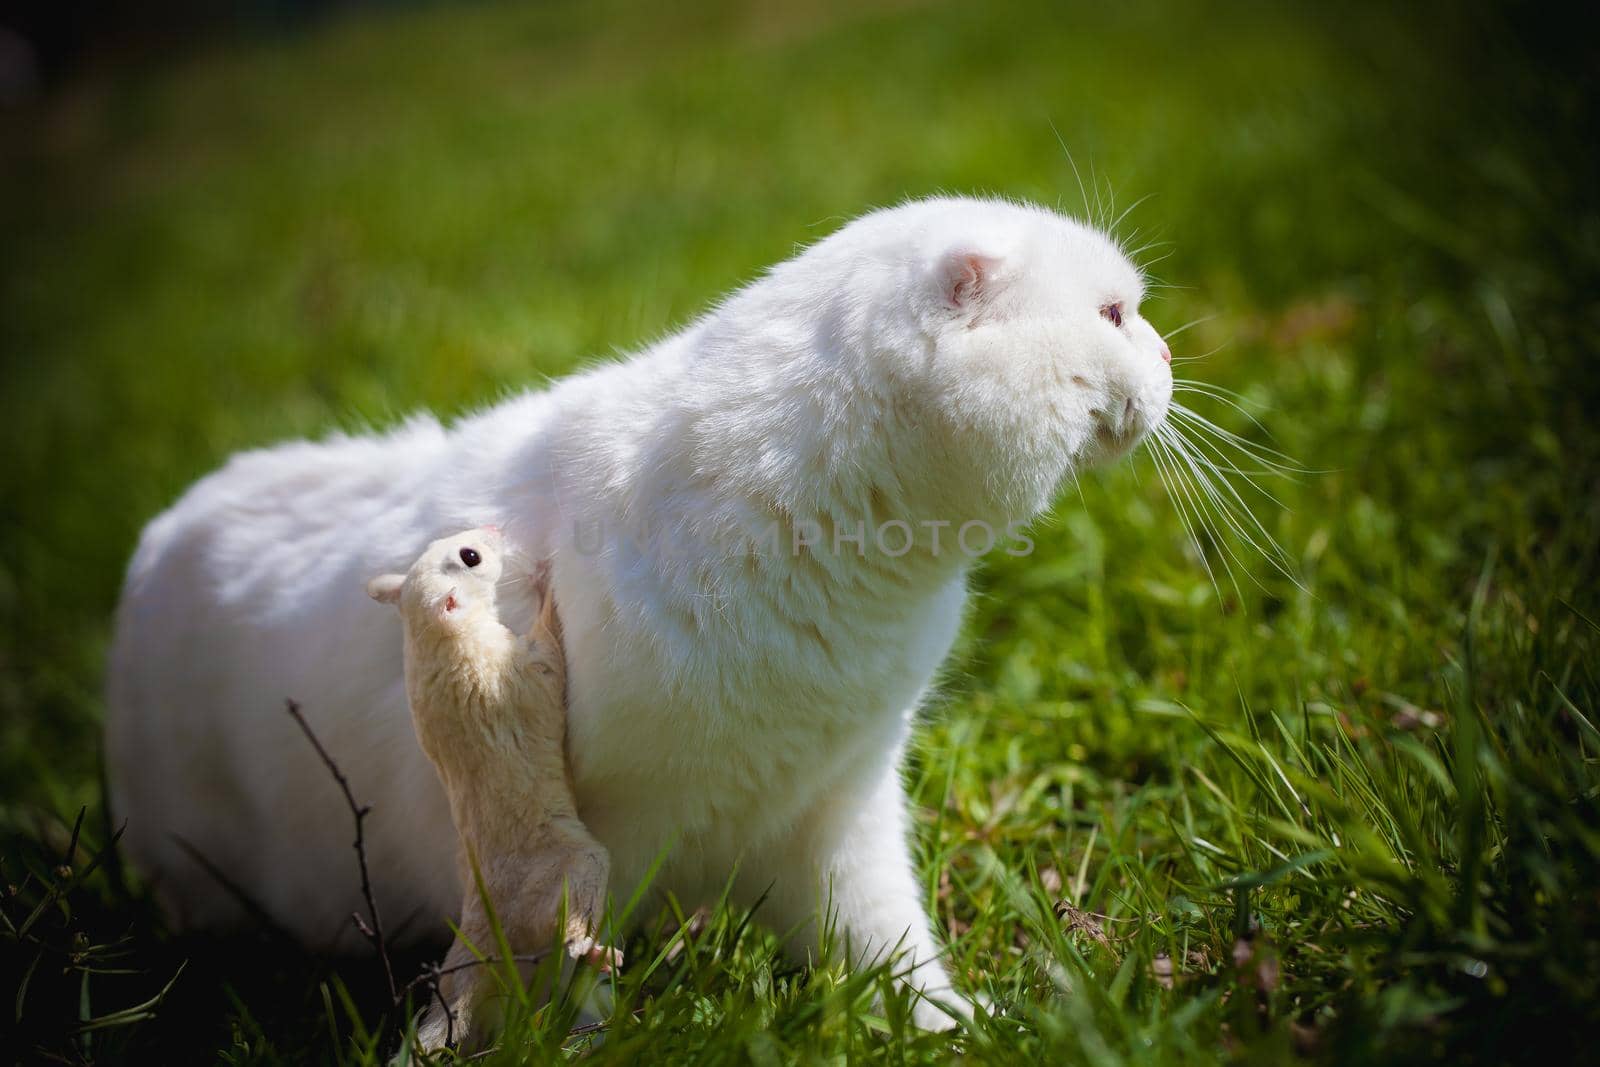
(753, 527)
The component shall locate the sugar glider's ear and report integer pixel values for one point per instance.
(967, 278)
(385, 588)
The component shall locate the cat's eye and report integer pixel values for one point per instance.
(1112, 313)
(470, 557)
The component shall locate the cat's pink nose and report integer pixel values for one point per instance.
(1166, 353)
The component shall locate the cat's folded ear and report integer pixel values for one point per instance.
(385, 588)
(968, 278)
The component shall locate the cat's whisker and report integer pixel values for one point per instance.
(1201, 432)
(1233, 509)
(1198, 421)
(1220, 395)
(1083, 193)
(1216, 451)
(1103, 207)
(1188, 325)
(1159, 243)
(1158, 454)
(1216, 507)
(1210, 389)
(1077, 484)
(1147, 264)
(1265, 455)
(1207, 354)
(1129, 210)
(1204, 502)
(1229, 506)
(1203, 509)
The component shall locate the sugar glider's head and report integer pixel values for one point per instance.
(453, 580)
(1015, 331)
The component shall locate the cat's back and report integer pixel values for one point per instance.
(244, 592)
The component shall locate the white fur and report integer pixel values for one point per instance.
(945, 360)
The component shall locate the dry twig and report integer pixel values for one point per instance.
(371, 927)
(373, 932)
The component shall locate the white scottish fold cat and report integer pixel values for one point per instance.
(728, 513)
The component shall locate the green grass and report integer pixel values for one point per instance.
(1164, 820)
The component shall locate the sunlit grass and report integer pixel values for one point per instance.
(1177, 802)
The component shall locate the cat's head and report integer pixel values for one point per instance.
(946, 360)
(1021, 338)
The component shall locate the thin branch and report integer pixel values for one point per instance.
(581, 1030)
(373, 933)
(431, 979)
(440, 972)
(433, 974)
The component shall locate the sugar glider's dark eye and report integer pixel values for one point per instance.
(1112, 313)
(470, 557)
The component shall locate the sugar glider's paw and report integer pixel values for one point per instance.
(606, 959)
(583, 920)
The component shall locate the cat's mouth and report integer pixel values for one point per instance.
(1112, 447)
(1121, 426)
(1113, 440)
(1119, 430)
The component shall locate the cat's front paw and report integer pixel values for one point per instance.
(941, 1011)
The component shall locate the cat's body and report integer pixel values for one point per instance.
(739, 698)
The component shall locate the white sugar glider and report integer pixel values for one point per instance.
(489, 709)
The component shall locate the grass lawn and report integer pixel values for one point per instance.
(1175, 805)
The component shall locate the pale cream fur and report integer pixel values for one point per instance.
(489, 711)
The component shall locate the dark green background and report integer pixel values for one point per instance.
(1386, 219)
